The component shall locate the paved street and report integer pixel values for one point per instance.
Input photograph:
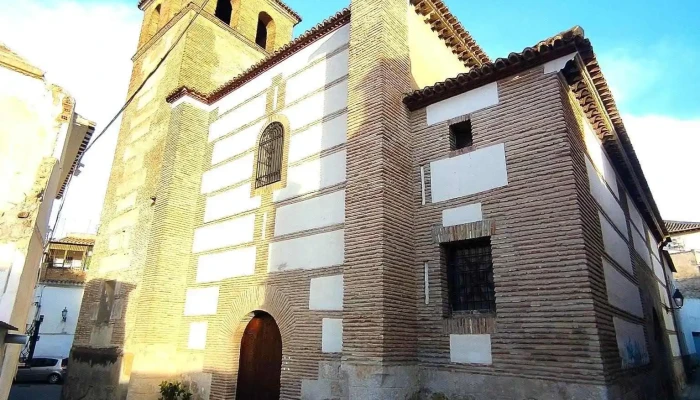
(36, 391)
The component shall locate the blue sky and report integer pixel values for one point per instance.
(647, 45)
(649, 52)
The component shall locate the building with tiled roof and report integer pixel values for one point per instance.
(682, 227)
(375, 209)
(41, 140)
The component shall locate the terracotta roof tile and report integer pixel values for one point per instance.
(452, 31)
(564, 43)
(310, 36)
(681, 227)
(543, 51)
(83, 146)
(83, 241)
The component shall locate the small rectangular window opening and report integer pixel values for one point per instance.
(106, 302)
(470, 275)
(461, 135)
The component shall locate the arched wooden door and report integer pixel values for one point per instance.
(260, 364)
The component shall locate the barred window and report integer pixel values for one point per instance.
(470, 275)
(270, 152)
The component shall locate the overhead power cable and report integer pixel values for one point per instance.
(121, 111)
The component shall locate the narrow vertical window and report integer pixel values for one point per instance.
(265, 36)
(223, 11)
(470, 275)
(461, 135)
(106, 302)
(270, 151)
(153, 22)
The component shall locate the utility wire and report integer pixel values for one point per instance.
(121, 110)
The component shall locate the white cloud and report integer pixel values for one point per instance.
(627, 76)
(87, 50)
(669, 151)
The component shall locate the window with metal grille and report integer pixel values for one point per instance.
(270, 152)
(470, 275)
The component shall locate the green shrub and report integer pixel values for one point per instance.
(174, 391)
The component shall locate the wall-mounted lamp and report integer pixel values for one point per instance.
(64, 314)
(678, 299)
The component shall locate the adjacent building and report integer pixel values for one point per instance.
(318, 218)
(58, 295)
(685, 251)
(41, 140)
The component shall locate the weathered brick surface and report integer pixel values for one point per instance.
(133, 246)
(553, 326)
(638, 382)
(379, 323)
(545, 324)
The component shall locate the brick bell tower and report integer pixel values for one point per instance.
(125, 342)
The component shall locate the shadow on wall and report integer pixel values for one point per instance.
(100, 370)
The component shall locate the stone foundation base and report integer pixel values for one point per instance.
(337, 381)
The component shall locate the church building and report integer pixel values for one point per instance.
(373, 210)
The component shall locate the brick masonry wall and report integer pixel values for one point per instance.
(125, 242)
(545, 326)
(62, 275)
(283, 294)
(637, 382)
(379, 323)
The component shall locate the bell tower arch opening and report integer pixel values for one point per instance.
(265, 36)
(260, 362)
(224, 11)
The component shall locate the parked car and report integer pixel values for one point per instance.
(47, 369)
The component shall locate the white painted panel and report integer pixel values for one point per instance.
(636, 218)
(315, 251)
(668, 316)
(462, 215)
(652, 241)
(229, 233)
(469, 173)
(558, 64)
(310, 214)
(201, 301)
(229, 264)
(640, 245)
(198, 336)
(242, 115)
(312, 176)
(234, 145)
(318, 106)
(658, 269)
(230, 203)
(622, 293)
(317, 76)
(631, 343)
(465, 103)
(605, 198)
(332, 335)
(127, 202)
(318, 138)
(675, 347)
(228, 174)
(470, 349)
(326, 293)
(597, 154)
(615, 245)
(312, 52)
